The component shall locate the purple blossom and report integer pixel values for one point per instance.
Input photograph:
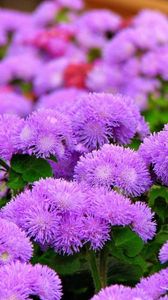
(163, 253)
(14, 245)
(62, 100)
(92, 26)
(13, 103)
(120, 292)
(155, 285)
(20, 281)
(155, 150)
(114, 166)
(69, 237)
(50, 77)
(45, 133)
(99, 118)
(45, 283)
(143, 223)
(96, 231)
(10, 125)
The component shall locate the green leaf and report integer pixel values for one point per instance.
(31, 167)
(93, 54)
(128, 240)
(157, 191)
(64, 265)
(15, 181)
(62, 16)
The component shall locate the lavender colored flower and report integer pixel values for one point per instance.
(64, 168)
(154, 150)
(13, 103)
(45, 13)
(62, 100)
(14, 245)
(143, 223)
(101, 118)
(103, 77)
(41, 212)
(92, 27)
(120, 292)
(118, 210)
(114, 166)
(45, 283)
(96, 231)
(20, 281)
(45, 133)
(155, 285)
(10, 125)
(18, 69)
(51, 77)
(69, 237)
(121, 48)
(163, 253)
(14, 282)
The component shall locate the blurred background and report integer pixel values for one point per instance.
(124, 7)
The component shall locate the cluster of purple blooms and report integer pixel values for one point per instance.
(57, 101)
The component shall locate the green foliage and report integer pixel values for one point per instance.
(62, 16)
(27, 169)
(158, 201)
(157, 113)
(93, 54)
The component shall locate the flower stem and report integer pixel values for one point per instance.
(94, 270)
(103, 266)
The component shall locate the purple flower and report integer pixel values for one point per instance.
(13, 103)
(64, 168)
(45, 283)
(163, 253)
(14, 245)
(143, 223)
(69, 237)
(120, 292)
(45, 133)
(114, 166)
(92, 27)
(10, 125)
(155, 150)
(21, 281)
(62, 100)
(121, 48)
(96, 231)
(118, 210)
(50, 77)
(155, 285)
(100, 118)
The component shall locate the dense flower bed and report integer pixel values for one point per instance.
(83, 154)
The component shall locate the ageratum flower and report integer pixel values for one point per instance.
(114, 166)
(101, 118)
(155, 285)
(10, 125)
(120, 292)
(14, 244)
(46, 133)
(163, 253)
(143, 223)
(21, 281)
(45, 283)
(118, 210)
(13, 103)
(41, 212)
(62, 100)
(155, 151)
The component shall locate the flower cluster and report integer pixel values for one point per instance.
(114, 166)
(66, 215)
(23, 281)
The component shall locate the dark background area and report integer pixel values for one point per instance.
(25, 5)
